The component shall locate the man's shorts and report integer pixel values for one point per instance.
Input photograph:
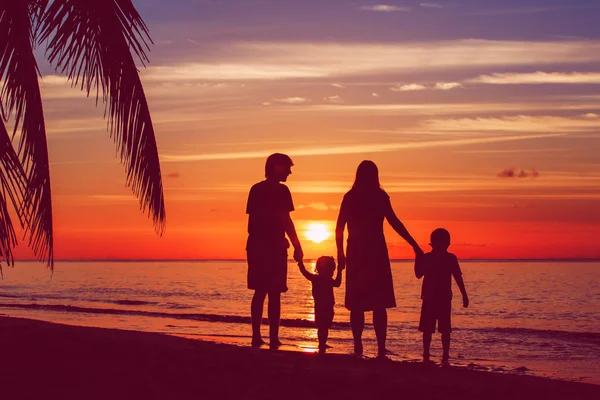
(433, 311)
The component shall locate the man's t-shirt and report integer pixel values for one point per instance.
(437, 269)
(268, 207)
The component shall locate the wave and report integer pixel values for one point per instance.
(579, 337)
(132, 302)
(531, 333)
(289, 322)
(589, 337)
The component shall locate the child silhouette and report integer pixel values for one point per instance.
(438, 267)
(322, 291)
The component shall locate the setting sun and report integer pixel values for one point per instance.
(317, 232)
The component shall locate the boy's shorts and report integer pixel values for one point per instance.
(436, 310)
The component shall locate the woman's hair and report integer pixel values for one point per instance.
(367, 176)
(325, 264)
(275, 160)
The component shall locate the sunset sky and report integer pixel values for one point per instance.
(483, 117)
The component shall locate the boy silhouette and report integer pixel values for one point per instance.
(322, 291)
(269, 206)
(438, 267)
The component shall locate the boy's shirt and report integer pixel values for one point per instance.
(438, 269)
(269, 204)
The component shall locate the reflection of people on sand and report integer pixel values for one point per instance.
(322, 291)
(438, 267)
(269, 206)
(369, 285)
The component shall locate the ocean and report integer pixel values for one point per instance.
(538, 318)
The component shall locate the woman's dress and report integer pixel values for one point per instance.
(369, 284)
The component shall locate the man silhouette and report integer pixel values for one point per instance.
(268, 208)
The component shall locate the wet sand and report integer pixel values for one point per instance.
(53, 361)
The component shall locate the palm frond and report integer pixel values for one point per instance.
(12, 187)
(21, 95)
(92, 43)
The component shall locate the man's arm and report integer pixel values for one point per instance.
(290, 229)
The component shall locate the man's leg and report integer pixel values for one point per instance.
(445, 346)
(380, 325)
(357, 321)
(274, 317)
(256, 313)
(426, 345)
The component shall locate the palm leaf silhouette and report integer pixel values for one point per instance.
(91, 41)
(12, 187)
(21, 95)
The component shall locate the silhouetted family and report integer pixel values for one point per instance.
(369, 283)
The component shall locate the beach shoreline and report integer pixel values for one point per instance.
(72, 362)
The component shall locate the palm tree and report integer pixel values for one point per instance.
(91, 41)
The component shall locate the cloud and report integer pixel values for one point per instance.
(333, 99)
(447, 85)
(450, 108)
(385, 8)
(174, 175)
(538, 78)
(337, 85)
(519, 123)
(590, 115)
(348, 149)
(530, 10)
(407, 88)
(431, 5)
(375, 94)
(318, 206)
(295, 60)
(514, 173)
(292, 100)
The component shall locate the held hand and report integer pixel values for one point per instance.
(465, 301)
(341, 261)
(298, 254)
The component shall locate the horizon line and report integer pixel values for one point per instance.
(291, 260)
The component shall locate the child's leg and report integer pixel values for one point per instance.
(357, 321)
(322, 334)
(426, 345)
(256, 312)
(274, 316)
(380, 325)
(445, 346)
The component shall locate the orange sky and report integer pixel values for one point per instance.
(489, 135)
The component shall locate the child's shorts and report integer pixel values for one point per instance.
(436, 310)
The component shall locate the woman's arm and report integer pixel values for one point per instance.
(399, 227)
(337, 282)
(339, 237)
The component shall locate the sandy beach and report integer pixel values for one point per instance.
(53, 361)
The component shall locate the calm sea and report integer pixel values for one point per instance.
(539, 318)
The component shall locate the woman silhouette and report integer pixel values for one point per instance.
(369, 285)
